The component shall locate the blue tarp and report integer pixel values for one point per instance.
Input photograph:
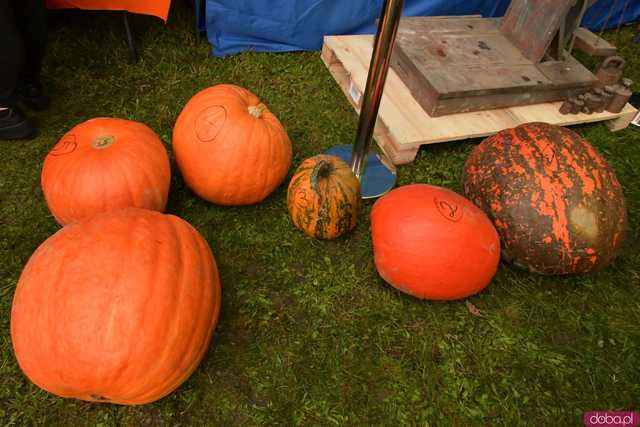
(284, 25)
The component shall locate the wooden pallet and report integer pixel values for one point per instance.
(403, 126)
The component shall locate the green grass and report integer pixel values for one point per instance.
(309, 334)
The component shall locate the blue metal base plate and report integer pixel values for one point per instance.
(377, 178)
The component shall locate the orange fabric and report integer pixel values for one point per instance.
(159, 8)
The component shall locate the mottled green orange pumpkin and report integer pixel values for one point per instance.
(324, 197)
(556, 203)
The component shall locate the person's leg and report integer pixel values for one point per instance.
(13, 124)
(32, 22)
(11, 54)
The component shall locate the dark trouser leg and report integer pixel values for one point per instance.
(32, 21)
(12, 56)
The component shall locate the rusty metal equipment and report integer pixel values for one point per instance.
(577, 105)
(594, 103)
(566, 107)
(608, 95)
(621, 95)
(610, 71)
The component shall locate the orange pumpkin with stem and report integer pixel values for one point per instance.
(324, 197)
(119, 308)
(230, 148)
(105, 164)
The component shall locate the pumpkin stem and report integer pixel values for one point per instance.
(321, 170)
(103, 141)
(257, 110)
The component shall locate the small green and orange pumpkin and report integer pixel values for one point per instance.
(324, 197)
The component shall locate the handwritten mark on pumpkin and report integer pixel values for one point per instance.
(448, 209)
(67, 145)
(210, 122)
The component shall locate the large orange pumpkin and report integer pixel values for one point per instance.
(119, 308)
(105, 164)
(324, 197)
(230, 148)
(432, 243)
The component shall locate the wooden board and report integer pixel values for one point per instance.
(460, 64)
(403, 126)
(592, 44)
(532, 25)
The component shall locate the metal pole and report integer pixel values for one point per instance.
(378, 68)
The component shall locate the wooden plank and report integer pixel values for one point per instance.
(624, 120)
(532, 25)
(469, 24)
(568, 73)
(592, 44)
(490, 102)
(403, 126)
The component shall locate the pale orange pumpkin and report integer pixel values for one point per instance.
(105, 164)
(231, 150)
(119, 308)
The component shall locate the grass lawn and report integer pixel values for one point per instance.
(309, 334)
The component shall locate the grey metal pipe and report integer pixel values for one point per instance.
(378, 68)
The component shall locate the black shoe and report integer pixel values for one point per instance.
(32, 96)
(14, 125)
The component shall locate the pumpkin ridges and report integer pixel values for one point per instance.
(151, 175)
(174, 334)
(111, 381)
(277, 130)
(127, 392)
(22, 292)
(108, 346)
(124, 167)
(324, 209)
(348, 221)
(266, 154)
(188, 349)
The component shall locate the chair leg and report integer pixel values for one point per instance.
(199, 6)
(197, 10)
(127, 28)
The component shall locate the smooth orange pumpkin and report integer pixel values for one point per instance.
(432, 243)
(105, 164)
(324, 197)
(119, 308)
(230, 148)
